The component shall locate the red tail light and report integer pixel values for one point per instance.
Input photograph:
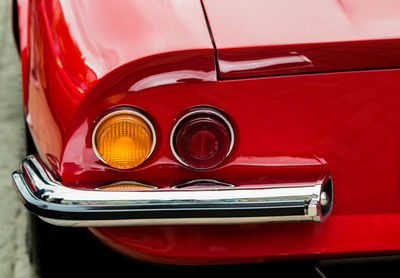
(202, 138)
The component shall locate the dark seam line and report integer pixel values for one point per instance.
(212, 39)
(306, 73)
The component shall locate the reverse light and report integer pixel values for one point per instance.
(123, 139)
(202, 138)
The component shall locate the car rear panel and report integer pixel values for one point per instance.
(349, 120)
(286, 126)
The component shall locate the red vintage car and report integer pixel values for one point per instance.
(215, 132)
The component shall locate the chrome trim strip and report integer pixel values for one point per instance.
(60, 205)
(132, 111)
(190, 183)
(196, 111)
(177, 221)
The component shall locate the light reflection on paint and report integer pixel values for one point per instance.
(172, 77)
(283, 62)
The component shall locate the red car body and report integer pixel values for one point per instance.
(308, 85)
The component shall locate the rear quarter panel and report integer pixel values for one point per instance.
(162, 61)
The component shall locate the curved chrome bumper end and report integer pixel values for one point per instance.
(43, 195)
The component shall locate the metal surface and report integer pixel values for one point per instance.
(64, 206)
(324, 199)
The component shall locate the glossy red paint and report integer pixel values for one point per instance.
(23, 8)
(341, 235)
(286, 128)
(70, 54)
(270, 37)
(349, 120)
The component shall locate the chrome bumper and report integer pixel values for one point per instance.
(43, 195)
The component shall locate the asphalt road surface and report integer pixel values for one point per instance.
(90, 257)
(13, 217)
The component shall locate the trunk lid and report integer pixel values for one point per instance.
(268, 37)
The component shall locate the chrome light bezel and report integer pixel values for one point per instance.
(124, 110)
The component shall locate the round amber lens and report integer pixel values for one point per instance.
(124, 140)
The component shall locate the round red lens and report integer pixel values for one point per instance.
(202, 141)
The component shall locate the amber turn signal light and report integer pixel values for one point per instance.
(123, 139)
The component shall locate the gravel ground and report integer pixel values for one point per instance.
(13, 217)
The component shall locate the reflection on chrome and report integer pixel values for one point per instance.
(43, 195)
(203, 183)
(283, 62)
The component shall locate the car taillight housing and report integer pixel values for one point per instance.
(123, 139)
(202, 138)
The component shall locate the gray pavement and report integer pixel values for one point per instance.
(13, 217)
